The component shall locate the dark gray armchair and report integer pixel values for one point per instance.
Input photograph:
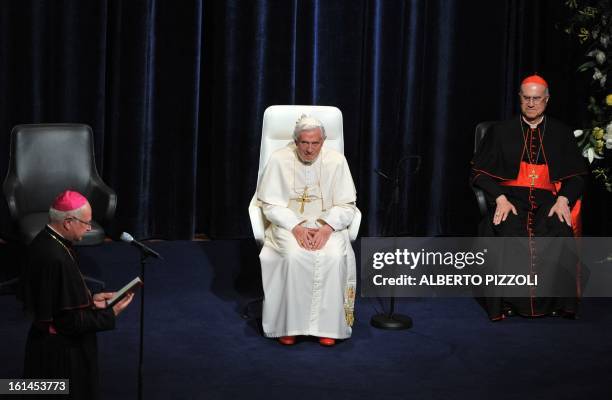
(46, 159)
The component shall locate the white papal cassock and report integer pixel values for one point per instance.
(307, 292)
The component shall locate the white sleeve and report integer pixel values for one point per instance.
(339, 217)
(280, 216)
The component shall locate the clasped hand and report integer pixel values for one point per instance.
(312, 238)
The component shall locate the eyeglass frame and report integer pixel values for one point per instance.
(89, 224)
(535, 100)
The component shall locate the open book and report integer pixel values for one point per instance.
(135, 283)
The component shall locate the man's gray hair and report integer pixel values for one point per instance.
(307, 123)
(57, 216)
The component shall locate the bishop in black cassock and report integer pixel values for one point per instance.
(61, 343)
(530, 169)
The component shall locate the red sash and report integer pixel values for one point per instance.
(541, 180)
(532, 175)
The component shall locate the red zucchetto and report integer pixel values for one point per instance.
(535, 79)
(69, 200)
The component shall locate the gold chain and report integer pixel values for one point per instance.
(320, 160)
(63, 245)
(541, 137)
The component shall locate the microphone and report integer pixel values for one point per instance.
(126, 237)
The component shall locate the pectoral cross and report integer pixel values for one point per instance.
(533, 177)
(304, 198)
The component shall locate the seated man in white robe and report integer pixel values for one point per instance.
(308, 265)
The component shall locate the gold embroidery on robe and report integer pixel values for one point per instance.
(349, 305)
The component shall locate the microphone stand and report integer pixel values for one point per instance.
(391, 320)
(143, 260)
(145, 252)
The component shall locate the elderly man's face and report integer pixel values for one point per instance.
(309, 144)
(77, 227)
(533, 99)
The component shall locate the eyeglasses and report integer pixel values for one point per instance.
(531, 99)
(80, 220)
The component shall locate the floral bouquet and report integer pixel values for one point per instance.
(591, 23)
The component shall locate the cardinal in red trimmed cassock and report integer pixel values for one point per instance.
(531, 172)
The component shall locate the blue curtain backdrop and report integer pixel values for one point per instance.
(175, 93)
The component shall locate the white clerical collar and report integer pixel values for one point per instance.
(534, 125)
(54, 230)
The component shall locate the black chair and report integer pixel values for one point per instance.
(481, 130)
(46, 159)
